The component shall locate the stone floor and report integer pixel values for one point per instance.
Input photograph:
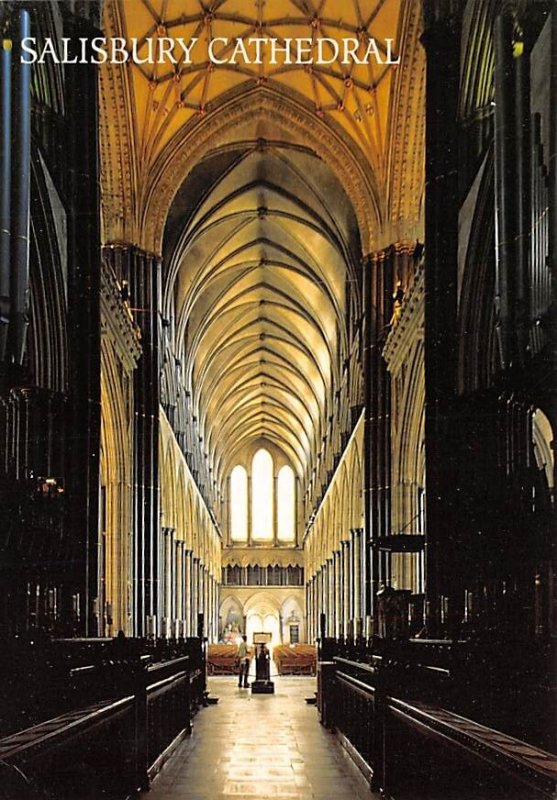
(260, 746)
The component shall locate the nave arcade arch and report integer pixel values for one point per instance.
(262, 203)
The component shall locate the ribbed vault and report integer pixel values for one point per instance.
(357, 95)
(155, 116)
(261, 245)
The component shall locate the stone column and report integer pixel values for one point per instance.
(206, 604)
(308, 614)
(201, 593)
(377, 295)
(345, 555)
(195, 596)
(319, 609)
(338, 593)
(173, 585)
(165, 578)
(188, 591)
(352, 584)
(82, 202)
(215, 609)
(141, 270)
(313, 621)
(322, 592)
(357, 567)
(330, 597)
(441, 39)
(179, 614)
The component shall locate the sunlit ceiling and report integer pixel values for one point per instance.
(355, 95)
(259, 251)
(261, 238)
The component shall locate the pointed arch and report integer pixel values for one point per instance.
(239, 504)
(286, 504)
(262, 496)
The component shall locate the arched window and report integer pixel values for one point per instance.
(286, 505)
(239, 504)
(262, 496)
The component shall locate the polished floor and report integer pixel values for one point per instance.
(260, 746)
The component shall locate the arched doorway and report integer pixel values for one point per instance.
(262, 615)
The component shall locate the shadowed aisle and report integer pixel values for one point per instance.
(260, 746)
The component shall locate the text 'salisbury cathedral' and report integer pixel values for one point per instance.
(278, 401)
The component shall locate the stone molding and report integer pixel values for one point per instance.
(262, 557)
(407, 126)
(290, 118)
(116, 321)
(410, 325)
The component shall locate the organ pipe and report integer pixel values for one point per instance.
(5, 176)
(20, 243)
(522, 196)
(505, 166)
(552, 232)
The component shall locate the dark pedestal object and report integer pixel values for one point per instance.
(262, 683)
(262, 687)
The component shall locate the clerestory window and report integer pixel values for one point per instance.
(262, 496)
(239, 504)
(258, 513)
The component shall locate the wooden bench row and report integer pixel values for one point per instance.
(296, 659)
(493, 763)
(222, 659)
(110, 748)
(413, 750)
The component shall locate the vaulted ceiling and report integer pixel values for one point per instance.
(263, 186)
(355, 95)
(260, 244)
(375, 108)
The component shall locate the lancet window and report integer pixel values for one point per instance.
(262, 502)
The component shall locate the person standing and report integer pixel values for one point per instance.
(243, 658)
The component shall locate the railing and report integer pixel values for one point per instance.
(116, 742)
(434, 753)
(356, 712)
(92, 752)
(412, 750)
(171, 702)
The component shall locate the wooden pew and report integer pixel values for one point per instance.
(295, 659)
(111, 746)
(417, 749)
(432, 752)
(81, 754)
(222, 659)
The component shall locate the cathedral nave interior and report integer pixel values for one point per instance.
(277, 359)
